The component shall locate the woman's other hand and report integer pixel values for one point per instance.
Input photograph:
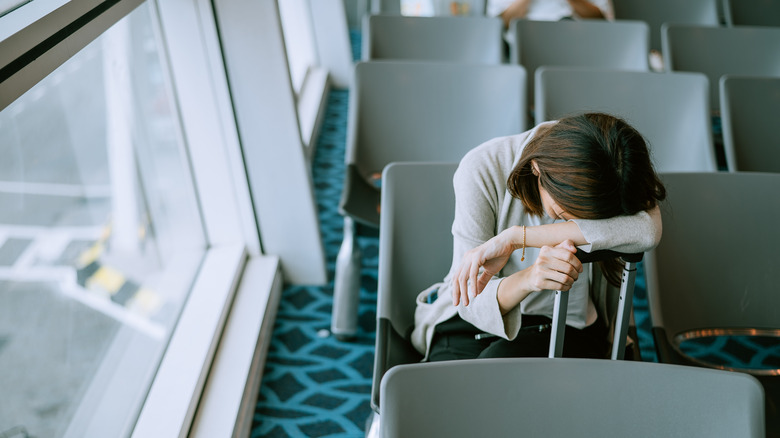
(491, 256)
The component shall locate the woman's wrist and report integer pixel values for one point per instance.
(515, 237)
(512, 290)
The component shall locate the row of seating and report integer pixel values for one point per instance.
(620, 44)
(691, 285)
(400, 114)
(655, 13)
(669, 109)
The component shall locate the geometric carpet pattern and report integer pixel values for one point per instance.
(313, 384)
(317, 386)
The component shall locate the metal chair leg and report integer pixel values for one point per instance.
(346, 285)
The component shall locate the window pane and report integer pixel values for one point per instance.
(100, 236)
(298, 39)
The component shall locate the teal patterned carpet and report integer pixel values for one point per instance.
(313, 384)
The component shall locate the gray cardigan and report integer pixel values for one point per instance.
(483, 208)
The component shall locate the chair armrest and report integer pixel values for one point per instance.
(359, 199)
(391, 349)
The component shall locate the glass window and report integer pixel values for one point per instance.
(100, 235)
(298, 40)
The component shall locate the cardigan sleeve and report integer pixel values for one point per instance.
(479, 184)
(630, 234)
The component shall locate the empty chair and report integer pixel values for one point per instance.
(620, 45)
(714, 271)
(671, 110)
(717, 51)
(657, 12)
(439, 38)
(750, 107)
(413, 111)
(752, 12)
(541, 397)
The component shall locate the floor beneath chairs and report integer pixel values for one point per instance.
(316, 386)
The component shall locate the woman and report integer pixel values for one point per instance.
(524, 203)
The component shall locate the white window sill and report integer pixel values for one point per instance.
(227, 405)
(176, 391)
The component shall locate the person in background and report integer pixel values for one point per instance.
(548, 10)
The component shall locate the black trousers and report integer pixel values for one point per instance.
(458, 339)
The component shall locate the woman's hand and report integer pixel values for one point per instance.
(492, 256)
(556, 268)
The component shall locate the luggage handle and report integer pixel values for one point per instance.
(624, 306)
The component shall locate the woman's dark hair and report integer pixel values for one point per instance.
(594, 165)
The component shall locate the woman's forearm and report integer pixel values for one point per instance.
(546, 235)
(511, 291)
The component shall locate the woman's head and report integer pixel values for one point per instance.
(591, 166)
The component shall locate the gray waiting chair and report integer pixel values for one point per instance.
(714, 271)
(657, 12)
(718, 51)
(413, 111)
(556, 398)
(619, 45)
(415, 251)
(438, 38)
(671, 110)
(750, 108)
(751, 12)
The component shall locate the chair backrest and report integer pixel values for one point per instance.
(750, 107)
(657, 12)
(425, 111)
(620, 45)
(717, 51)
(751, 12)
(385, 7)
(670, 110)
(542, 397)
(436, 7)
(438, 38)
(716, 264)
(459, 7)
(415, 236)
(415, 252)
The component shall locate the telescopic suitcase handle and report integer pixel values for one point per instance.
(624, 306)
